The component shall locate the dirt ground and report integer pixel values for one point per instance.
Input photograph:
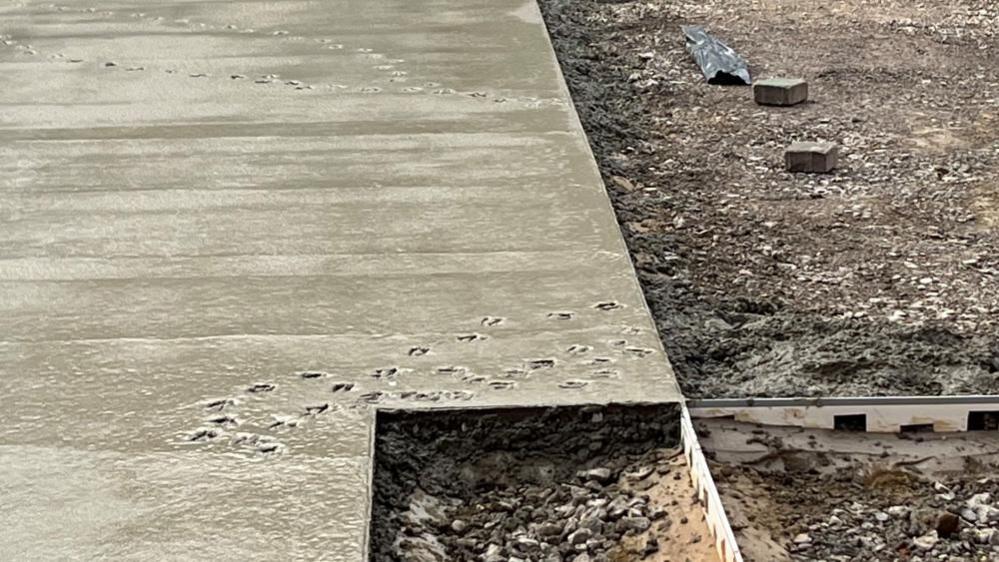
(879, 279)
(801, 494)
(587, 484)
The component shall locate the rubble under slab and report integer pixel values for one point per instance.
(573, 484)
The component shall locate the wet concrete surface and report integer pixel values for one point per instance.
(231, 231)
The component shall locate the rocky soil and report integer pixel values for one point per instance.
(568, 484)
(812, 494)
(879, 279)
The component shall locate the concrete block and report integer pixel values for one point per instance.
(811, 157)
(780, 91)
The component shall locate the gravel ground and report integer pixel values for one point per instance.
(879, 279)
(797, 494)
(571, 484)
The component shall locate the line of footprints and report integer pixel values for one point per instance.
(222, 419)
(388, 66)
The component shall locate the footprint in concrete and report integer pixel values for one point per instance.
(573, 384)
(606, 374)
(311, 374)
(515, 371)
(490, 321)
(418, 351)
(198, 75)
(372, 397)
(260, 387)
(343, 387)
(639, 351)
(444, 91)
(370, 90)
(502, 385)
(560, 315)
(386, 373)
(617, 343)
(601, 360)
(204, 434)
(536, 364)
(577, 349)
(316, 410)
(472, 378)
(467, 338)
(219, 404)
(270, 447)
(452, 370)
(607, 305)
(224, 421)
(283, 421)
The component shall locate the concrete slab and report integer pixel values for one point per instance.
(392, 195)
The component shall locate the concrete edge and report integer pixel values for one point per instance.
(714, 511)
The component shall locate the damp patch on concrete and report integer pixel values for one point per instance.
(552, 484)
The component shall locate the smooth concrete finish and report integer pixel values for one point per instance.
(392, 199)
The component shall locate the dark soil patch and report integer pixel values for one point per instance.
(879, 279)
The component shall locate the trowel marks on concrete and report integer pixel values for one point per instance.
(229, 229)
(571, 483)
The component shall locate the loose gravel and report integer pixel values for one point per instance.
(879, 279)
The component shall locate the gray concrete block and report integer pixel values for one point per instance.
(811, 157)
(780, 91)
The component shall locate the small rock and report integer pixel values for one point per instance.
(635, 524)
(947, 524)
(926, 542)
(802, 538)
(459, 526)
(601, 475)
(580, 536)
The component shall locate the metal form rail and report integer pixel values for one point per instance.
(874, 414)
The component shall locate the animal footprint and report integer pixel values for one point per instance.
(261, 387)
(491, 321)
(203, 434)
(418, 351)
(284, 421)
(311, 374)
(560, 315)
(372, 397)
(574, 384)
(578, 349)
(316, 410)
(386, 373)
(540, 364)
(639, 351)
(471, 337)
(452, 370)
(609, 305)
(220, 404)
(343, 387)
(224, 421)
(502, 385)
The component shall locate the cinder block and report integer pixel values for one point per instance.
(780, 91)
(811, 157)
